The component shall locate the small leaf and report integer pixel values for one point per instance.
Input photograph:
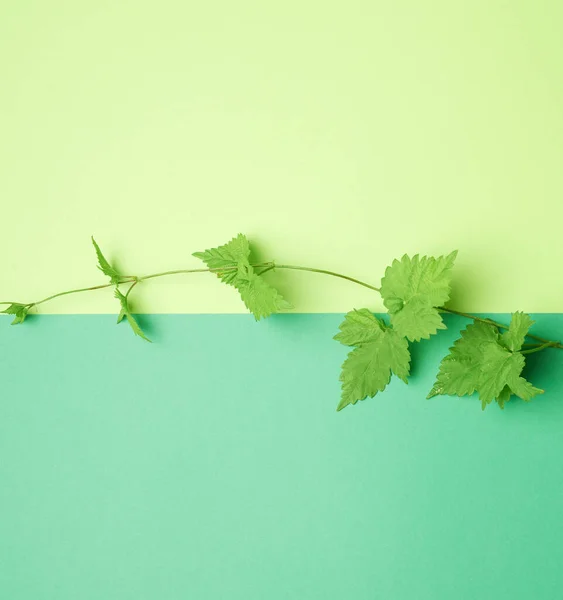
(523, 388)
(126, 313)
(104, 265)
(417, 320)
(227, 257)
(261, 299)
(412, 288)
(359, 326)
(504, 396)
(20, 312)
(513, 339)
(379, 352)
(232, 265)
(498, 367)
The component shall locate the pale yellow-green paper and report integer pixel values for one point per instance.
(337, 135)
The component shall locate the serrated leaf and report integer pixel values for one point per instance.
(504, 396)
(105, 266)
(380, 352)
(478, 362)
(498, 367)
(125, 313)
(417, 320)
(261, 299)
(523, 388)
(228, 257)
(359, 326)
(20, 312)
(514, 337)
(232, 264)
(412, 288)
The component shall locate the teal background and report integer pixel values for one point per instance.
(212, 465)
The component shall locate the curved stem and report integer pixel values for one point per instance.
(77, 291)
(265, 270)
(130, 288)
(332, 273)
(473, 317)
(542, 347)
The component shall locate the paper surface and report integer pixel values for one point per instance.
(337, 136)
(213, 464)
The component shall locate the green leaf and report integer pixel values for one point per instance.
(359, 326)
(104, 265)
(504, 396)
(232, 261)
(513, 339)
(125, 313)
(478, 362)
(460, 369)
(227, 257)
(20, 312)
(417, 320)
(412, 288)
(379, 352)
(523, 388)
(498, 368)
(261, 299)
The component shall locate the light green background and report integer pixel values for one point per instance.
(335, 134)
(213, 465)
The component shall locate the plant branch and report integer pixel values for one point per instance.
(187, 271)
(77, 291)
(331, 273)
(545, 342)
(541, 347)
(132, 286)
(267, 266)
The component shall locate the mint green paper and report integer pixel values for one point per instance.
(212, 465)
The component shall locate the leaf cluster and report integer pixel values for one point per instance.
(231, 263)
(20, 312)
(484, 361)
(487, 362)
(116, 279)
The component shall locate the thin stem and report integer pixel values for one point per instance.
(184, 271)
(129, 290)
(129, 279)
(332, 273)
(542, 347)
(470, 316)
(267, 269)
(87, 289)
(177, 272)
